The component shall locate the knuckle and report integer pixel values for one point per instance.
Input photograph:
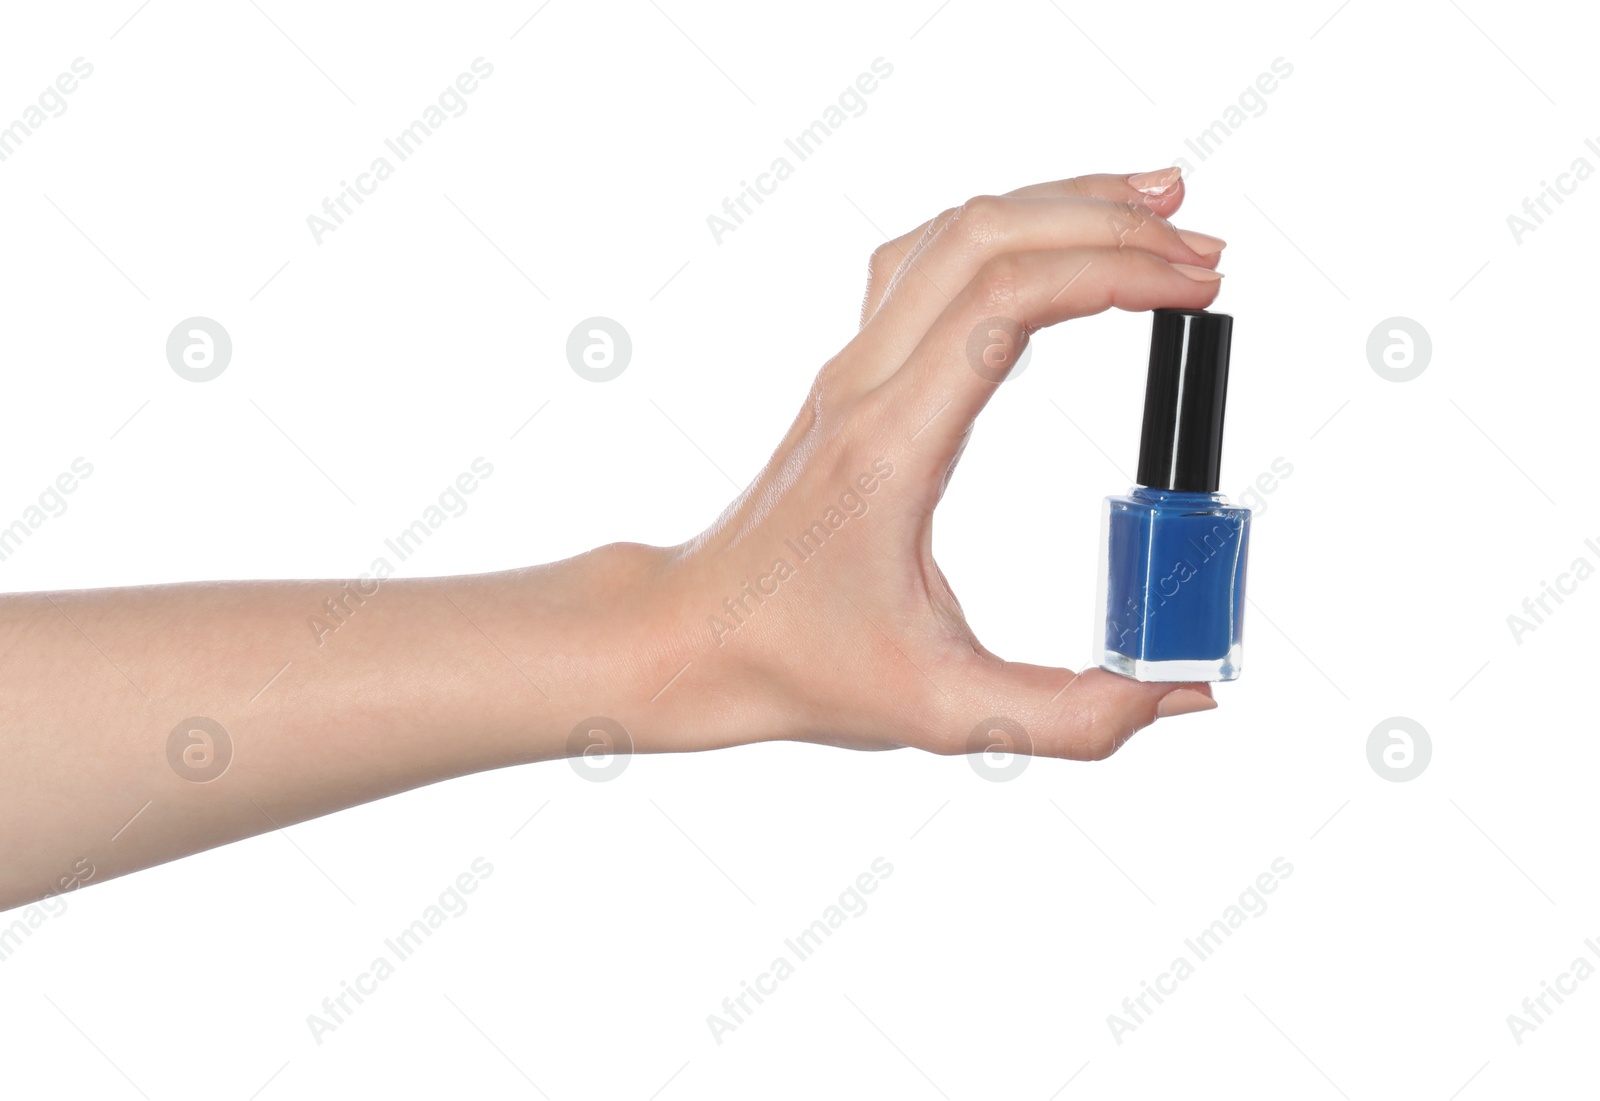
(828, 381)
(841, 397)
(1101, 746)
(1104, 731)
(980, 219)
(872, 425)
(885, 260)
(998, 282)
(1076, 187)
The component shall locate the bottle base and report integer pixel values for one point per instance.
(1212, 669)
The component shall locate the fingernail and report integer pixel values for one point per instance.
(1199, 275)
(1183, 701)
(1203, 243)
(1159, 182)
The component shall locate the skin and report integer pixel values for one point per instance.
(862, 645)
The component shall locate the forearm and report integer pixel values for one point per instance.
(416, 682)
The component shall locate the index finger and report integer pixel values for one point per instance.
(1161, 191)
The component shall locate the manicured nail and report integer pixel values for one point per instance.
(1159, 182)
(1199, 275)
(1183, 701)
(1203, 243)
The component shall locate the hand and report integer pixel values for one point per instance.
(813, 608)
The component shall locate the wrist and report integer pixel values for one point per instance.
(615, 638)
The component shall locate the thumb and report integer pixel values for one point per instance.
(1050, 712)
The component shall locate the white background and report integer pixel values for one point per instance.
(425, 332)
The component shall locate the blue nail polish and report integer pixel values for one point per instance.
(1173, 550)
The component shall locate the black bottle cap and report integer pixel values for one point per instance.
(1184, 397)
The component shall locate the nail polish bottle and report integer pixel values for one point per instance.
(1172, 550)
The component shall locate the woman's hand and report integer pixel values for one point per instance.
(149, 723)
(813, 608)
